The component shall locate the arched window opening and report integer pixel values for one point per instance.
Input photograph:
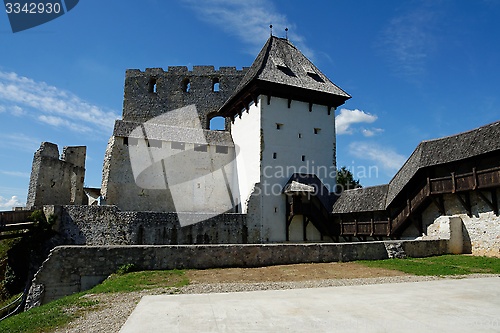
(217, 124)
(186, 85)
(215, 85)
(152, 85)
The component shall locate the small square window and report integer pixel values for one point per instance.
(279, 126)
(221, 149)
(178, 145)
(202, 148)
(317, 130)
(303, 158)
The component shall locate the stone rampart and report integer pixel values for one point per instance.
(70, 269)
(107, 225)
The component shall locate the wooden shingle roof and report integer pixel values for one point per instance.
(282, 70)
(455, 148)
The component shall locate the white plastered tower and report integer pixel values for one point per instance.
(284, 134)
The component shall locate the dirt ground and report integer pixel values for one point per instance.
(281, 273)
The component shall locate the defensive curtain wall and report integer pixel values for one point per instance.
(70, 269)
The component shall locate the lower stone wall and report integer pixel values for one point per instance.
(481, 230)
(107, 225)
(70, 269)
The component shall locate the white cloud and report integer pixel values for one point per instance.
(371, 132)
(60, 122)
(19, 141)
(347, 118)
(384, 157)
(53, 103)
(2, 108)
(249, 20)
(18, 111)
(7, 204)
(408, 41)
(15, 173)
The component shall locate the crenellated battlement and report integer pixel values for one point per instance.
(154, 91)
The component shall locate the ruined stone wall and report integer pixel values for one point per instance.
(153, 92)
(481, 231)
(56, 181)
(107, 225)
(71, 269)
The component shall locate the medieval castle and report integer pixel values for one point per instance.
(269, 177)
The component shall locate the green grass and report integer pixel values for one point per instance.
(440, 266)
(54, 314)
(136, 281)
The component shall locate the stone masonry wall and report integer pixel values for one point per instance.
(57, 181)
(481, 231)
(70, 269)
(153, 92)
(107, 225)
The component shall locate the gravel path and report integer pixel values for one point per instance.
(112, 310)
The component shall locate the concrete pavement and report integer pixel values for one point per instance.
(464, 305)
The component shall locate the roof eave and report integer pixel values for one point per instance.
(258, 87)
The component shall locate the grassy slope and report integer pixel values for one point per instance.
(49, 316)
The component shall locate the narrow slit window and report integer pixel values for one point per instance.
(125, 141)
(303, 158)
(186, 85)
(279, 126)
(275, 155)
(317, 130)
(300, 135)
(152, 85)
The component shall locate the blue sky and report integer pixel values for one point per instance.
(416, 70)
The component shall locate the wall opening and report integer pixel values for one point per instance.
(217, 124)
(317, 130)
(215, 85)
(221, 149)
(303, 158)
(275, 155)
(279, 126)
(152, 85)
(186, 85)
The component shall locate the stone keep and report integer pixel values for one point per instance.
(162, 155)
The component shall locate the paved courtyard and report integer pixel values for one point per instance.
(448, 305)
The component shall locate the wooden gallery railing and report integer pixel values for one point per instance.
(455, 183)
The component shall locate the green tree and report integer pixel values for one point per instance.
(345, 180)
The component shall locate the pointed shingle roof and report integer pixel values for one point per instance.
(281, 70)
